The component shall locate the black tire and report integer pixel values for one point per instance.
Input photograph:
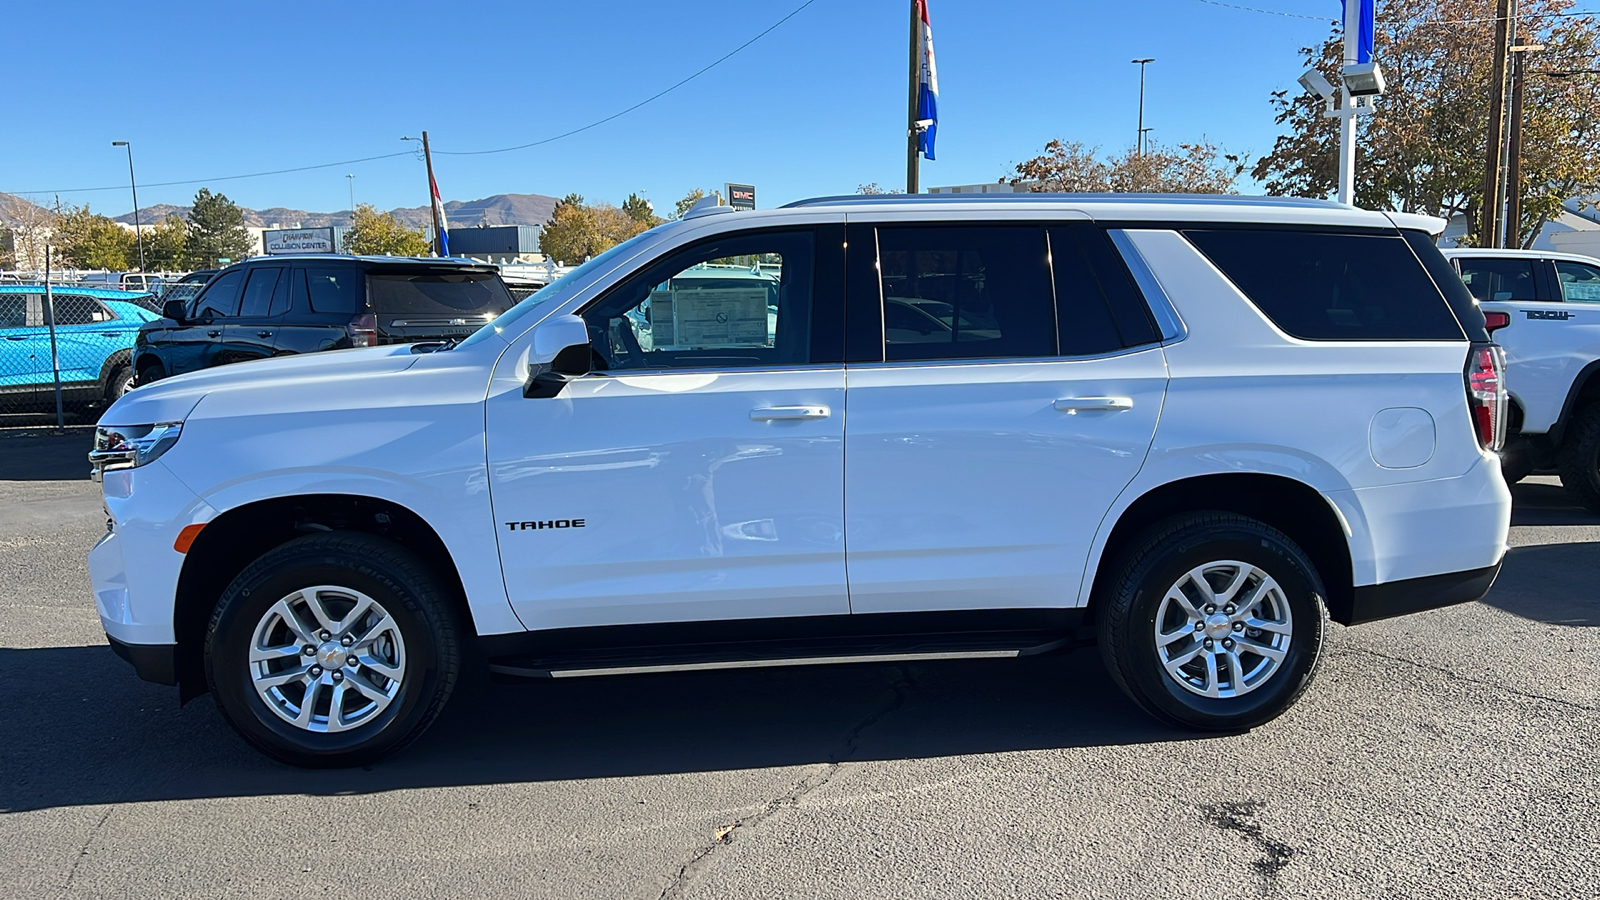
(1578, 458)
(150, 373)
(383, 570)
(118, 383)
(1156, 561)
(1516, 459)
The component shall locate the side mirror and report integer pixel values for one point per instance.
(564, 341)
(174, 310)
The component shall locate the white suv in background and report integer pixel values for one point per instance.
(849, 429)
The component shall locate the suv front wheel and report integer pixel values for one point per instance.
(332, 650)
(1214, 622)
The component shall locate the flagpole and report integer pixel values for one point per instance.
(912, 186)
(432, 207)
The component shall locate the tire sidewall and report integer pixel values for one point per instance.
(1162, 569)
(228, 667)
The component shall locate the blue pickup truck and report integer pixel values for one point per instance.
(95, 331)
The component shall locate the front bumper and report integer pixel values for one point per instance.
(152, 662)
(1400, 598)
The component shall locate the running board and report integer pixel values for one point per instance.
(761, 655)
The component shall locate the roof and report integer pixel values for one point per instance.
(73, 290)
(379, 260)
(1493, 253)
(1184, 200)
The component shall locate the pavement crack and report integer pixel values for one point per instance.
(1240, 817)
(83, 851)
(847, 748)
(1451, 673)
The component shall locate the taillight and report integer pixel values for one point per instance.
(1486, 394)
(363, 331)
(1494, 321)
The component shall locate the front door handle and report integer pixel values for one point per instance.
(213, 333)
(788, 413)
(263, 334)
(11, 338)
(1074, 405)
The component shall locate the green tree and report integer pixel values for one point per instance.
(165, 244)
(639, 210)
(577, 231)
(216, 231)
(88, 240)
(1198, 168)
(373, 233)
(1422, 149)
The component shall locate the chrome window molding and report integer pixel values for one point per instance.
(1167, 319)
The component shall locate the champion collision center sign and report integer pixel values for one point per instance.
(299, 240)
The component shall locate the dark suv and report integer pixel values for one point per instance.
(274, 305)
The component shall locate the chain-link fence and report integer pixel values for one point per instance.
(72, 343)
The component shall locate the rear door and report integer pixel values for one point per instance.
(995, 428)
(250, 334)
(415, 303)
(321, 302)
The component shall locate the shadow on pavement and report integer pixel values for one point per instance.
(1546, 502)
(40, 454)
(81, 729)
(1554, 583)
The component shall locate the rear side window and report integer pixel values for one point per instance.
(965, 293)
(336, 291)
(1098, 305)
(1324, 286)
(1499, 279)
(439, 293)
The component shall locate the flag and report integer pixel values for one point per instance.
(927, 88)
(1363, 27)
(440, 230)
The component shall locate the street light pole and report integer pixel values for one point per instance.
(352, 180)
(1141, 64)
(138, 230)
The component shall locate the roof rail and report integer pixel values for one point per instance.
(1044, 197)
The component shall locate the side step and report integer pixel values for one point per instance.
(768, 654)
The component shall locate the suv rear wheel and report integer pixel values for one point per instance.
(1578, 459)
(1214, 622)
(332, 650)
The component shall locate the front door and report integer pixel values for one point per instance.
(697, 473)
(983, 451)
(193, 345)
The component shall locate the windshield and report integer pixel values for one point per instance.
(559, 288)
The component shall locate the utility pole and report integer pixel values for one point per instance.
(138, 231)
(915, 70)
(1489, 226)
(1141, 64)
(1513, 228)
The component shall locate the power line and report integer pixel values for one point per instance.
(651, 99)
(1334, 19)
(348, 162)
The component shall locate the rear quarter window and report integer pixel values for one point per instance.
(1326, 286)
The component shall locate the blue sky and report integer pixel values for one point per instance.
(816, 107)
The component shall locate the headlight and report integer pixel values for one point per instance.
(130, 446)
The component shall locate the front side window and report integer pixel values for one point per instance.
(1499, 279)
(221, 298)
(965, 292)
(1329, 286)
(738, 301)
(1580, 282)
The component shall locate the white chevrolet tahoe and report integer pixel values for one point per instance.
(850, 429)
(1544, 309)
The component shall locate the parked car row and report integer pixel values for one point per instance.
(851, 429)
(93, 345)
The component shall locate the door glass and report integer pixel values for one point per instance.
(13, 311)
(336, 290)
(258, 292)
(1580, 283)
(1499, 279)
(737, 301)
(221, 297)
(78, 310)
(965, 292)
(1084, 296)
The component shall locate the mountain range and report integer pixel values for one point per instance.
(498, 209)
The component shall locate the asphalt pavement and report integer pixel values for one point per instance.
(1448, 754)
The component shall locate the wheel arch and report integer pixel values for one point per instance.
(1585, 389)
(1293, 507)
(241, 534)
(115, 360)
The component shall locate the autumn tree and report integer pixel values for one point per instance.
(88, 240)
(373, 233)
(1197, 168)
(1423, 147)
(215, 232)
(165, 244)
(873, 188)
(577, 231)
(31, 225)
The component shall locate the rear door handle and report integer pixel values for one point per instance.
(263, 334)
(788, 413)
(11, 338)
(1075, 405)
(213, 333)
